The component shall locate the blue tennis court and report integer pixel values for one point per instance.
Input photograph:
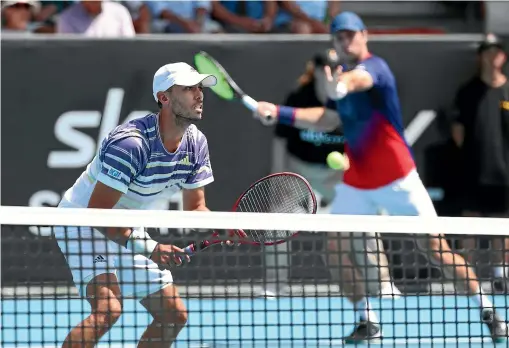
(412, 321)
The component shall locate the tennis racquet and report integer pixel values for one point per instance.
(277, 193)
(226, 88)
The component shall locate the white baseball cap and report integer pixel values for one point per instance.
(31, 3)
(181, 74)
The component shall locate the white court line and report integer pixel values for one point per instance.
(437, 340)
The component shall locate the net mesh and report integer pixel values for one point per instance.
(294, 294)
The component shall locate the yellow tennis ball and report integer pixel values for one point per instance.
(336, 161)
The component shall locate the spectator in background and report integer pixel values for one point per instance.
(481, 131)
(96, 19)
(50, 10)
(17, 16)
(245, 16)
(183, 17)
(304, 151)
(140, 13)
(306, 17)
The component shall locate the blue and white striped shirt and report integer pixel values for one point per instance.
(133, 160)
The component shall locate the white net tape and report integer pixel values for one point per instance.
(47, 216)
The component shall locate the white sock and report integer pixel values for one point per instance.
(481, 299)
(364, 310)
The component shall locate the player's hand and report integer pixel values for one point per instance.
(266, 24)
(168, 255)
(263, 112)
(331, 81)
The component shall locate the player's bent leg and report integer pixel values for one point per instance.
(277, 270)
(169, 318)
(469, 244)
(348, 201)
(369, 256)
(408, 197)
(499, 260)
(89, 256)
(465, 277)
(351, 201)
(103, 294)
(142, 278)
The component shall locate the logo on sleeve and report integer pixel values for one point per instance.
(114, 173)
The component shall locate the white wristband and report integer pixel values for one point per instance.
(341, 90)
(140, 242)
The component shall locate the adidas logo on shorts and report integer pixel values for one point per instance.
(99, 258)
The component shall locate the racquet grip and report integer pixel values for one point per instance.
(189, 250)
(249, 103)
(252, 105)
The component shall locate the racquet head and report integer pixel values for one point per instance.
(225, 88)
(284, 192)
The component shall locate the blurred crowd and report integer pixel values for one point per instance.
(127, 18)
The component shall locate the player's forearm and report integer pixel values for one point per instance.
(318, 118)
(356, 80)
(135, 239)
(201, 208)
(327, 122)
(309, 117)
(119, 235)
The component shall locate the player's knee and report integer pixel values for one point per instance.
(107, 314)
(442, 257)
(174, 312)
(181, 317)
(176, 316)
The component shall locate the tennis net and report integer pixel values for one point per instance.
(291, 295)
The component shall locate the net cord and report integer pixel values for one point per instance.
(48, 216)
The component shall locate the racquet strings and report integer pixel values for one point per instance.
(277, 194)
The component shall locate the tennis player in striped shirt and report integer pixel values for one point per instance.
(137, 164)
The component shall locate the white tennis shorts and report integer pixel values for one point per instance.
(403, 197)
(89, 253)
